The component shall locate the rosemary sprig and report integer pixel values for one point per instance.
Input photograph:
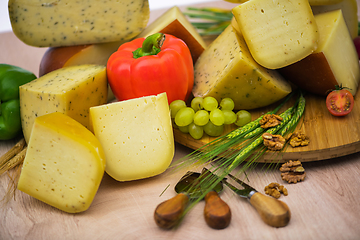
(214, 20)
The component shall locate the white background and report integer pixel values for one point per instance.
(154, 4)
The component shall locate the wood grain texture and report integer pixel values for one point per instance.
(325, 206)
(329, 136)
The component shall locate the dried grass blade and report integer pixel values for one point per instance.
(13, 162)
(12, 152)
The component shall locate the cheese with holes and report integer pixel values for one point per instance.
(349, 9)
(136, 136)
(64, 164)
(174, 22)
(227, 69)
(278, 33)
(71, 90)
(335, 62)
(68, 22)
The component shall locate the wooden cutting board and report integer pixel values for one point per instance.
(330, 136)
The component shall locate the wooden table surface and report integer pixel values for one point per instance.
(325, 206)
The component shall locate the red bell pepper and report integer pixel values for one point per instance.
(160, 63)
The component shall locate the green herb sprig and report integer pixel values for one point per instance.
(214, 20)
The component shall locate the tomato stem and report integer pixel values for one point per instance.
(151, 45)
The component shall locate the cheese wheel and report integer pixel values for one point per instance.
(278, 33)
(68, 22)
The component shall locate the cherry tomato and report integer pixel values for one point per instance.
(340, 102)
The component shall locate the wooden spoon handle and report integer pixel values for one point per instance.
(216, 212)
(273, 212)
(168, 213)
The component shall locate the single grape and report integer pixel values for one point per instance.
(229, 116)
(201, 117)
(195, 131)
(217, 117)
(197, 103)
(243, 117)
(213, 130)
(184, 116)
(175, 106)
(184, 129)
(210, 103)
(227, 104)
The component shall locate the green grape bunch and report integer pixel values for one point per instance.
(206, 115)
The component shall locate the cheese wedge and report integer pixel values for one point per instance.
(335, 62)
(349, 9)
(278, 33)
(68, 22)
(174, 22)
(227, 69)
(71, 90)
(64, 164)
(136, 136)
(98, 54)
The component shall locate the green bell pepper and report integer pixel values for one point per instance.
(11, 77)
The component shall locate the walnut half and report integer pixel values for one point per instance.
(270, 120)
(298, 139)
(275, 189)
(273, 142)
(292, 172)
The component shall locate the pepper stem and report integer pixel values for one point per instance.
(151, 45)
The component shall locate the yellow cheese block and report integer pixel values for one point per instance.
(68, 22)
(235, 25)
(136, 135)
(71, 90)
(64, 164)
(349, 10)
(174, 22)
(335, 62)
(278, 33)
(98, 54)
(227, 69)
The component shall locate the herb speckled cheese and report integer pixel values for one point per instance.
(334, 63)
(227, 69)
(68, 22)
(136, 136)
(70, 90)
(64, 164)
(279, 32)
